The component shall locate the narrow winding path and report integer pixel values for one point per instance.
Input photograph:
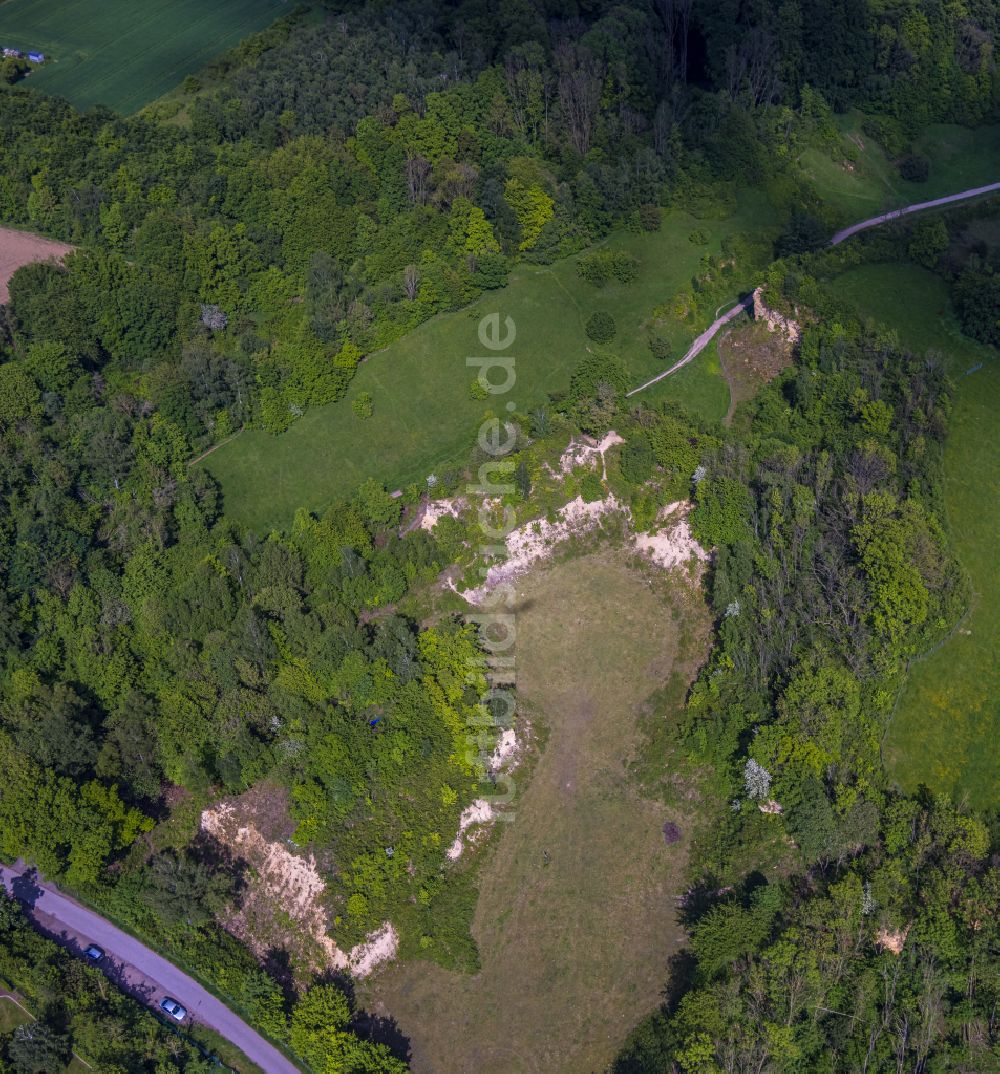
(845, 233)
(134, 967)
(699, 344)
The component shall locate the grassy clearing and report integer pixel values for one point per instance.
(126, 54)
(574, 951)
(945, 728)
(12, 1015)
(425, 417)
(870, 183)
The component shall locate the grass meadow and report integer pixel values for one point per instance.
(12, 1015)
(946, 726)
(425, 417)
(575, 919)
(870, 184)
(125, 53)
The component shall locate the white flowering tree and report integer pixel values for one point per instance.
(757, 780)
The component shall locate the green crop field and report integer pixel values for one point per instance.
(870, 184)
(945, 730)
(425, 417)
(125, 53)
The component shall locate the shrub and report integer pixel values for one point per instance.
(625, 267)
(477, 391)
(362, 405)
(886, 132)
(660, 347)
(698, 237)
(591, 488)
(600, 267)
(601, 327)
(915, 168)
(594, 268)
(637, 460)
(928, 241)
(491, 271)
(650, 217)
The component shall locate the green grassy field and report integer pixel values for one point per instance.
(425, 418)
(11, 1015)
(125, 53)
(575, 919)
(945, 730)
(960, 158)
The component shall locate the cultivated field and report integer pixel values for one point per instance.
(945, 730)
(576, 917)
(18, 248)
(125, 53)
(425, 417)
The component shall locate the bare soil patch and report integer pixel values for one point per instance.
(19, 248)
(751, 356)
(281, 906)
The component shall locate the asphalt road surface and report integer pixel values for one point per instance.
(895, 214)
(134, 967)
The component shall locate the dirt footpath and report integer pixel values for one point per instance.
(19, 248)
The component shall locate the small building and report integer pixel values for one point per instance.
(36, 57)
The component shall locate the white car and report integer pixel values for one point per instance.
(173, 1008)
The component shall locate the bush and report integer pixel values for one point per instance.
(599, 268)
(915, 168)
(928, 241)
(637, 460)
(698, 237)
(477, 391)
(362, 405)
(601, 327)
(886, 132)
(591, 488)
(625, 267)
(491, 271)
(650, 217)
(660, 347)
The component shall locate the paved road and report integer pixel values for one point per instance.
(845, 233)
(895, 214)
(699, 344)
(140, 971)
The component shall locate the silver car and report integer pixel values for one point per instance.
(173, 1008)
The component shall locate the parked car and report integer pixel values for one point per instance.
(173, 1008)
(94, 953)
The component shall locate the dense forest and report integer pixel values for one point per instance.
(876, 949)
(242, 246)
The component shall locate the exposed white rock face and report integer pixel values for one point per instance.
(774, 320)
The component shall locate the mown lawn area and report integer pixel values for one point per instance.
(425, 418)
(870, 184)
(125, 53)
(576, 915)
(945, 730)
